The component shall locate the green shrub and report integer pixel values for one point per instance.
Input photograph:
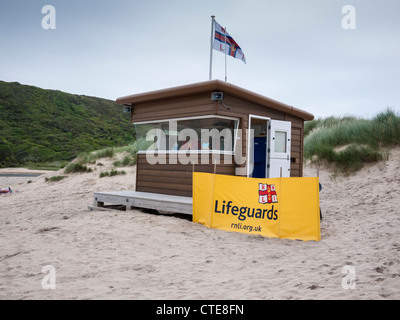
(129, 160)
(54, 178)
(76, 167)
(113, 172)
(104, 174)
(117, 163)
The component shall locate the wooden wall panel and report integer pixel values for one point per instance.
(174, 179)
(173, 108)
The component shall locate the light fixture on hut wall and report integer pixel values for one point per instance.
(219, 96)
(127, 109)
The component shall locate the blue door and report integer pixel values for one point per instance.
(260, 159)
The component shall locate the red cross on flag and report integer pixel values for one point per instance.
(267, 193)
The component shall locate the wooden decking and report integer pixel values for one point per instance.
(147, 200)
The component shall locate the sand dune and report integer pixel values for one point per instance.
(136, 255)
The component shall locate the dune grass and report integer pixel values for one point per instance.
(74, 167)
(349, 142)
(111, 173)
(54, 178)
(91, 157)
(80, 164)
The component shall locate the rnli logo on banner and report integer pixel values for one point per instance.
(267, 193)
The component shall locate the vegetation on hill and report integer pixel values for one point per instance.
(38, 125)
(349, 142)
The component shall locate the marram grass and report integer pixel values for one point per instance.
(349, 142)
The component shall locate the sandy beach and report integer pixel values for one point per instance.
(136, 255)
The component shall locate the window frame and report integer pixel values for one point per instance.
(234, 139)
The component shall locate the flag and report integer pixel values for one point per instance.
(221, 38)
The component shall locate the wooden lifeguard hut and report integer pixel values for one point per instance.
(255, 137)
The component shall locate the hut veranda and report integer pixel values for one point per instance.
(214, 127)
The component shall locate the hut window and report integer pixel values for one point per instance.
(204, 134)
(280, 141)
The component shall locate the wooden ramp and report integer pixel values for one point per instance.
(155, 201)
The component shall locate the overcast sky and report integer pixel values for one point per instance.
(297, 52)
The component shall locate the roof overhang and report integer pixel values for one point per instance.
(210, 86)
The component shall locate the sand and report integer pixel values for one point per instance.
(136, 255)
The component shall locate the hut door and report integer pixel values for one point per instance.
(257, 147)
(279, 147)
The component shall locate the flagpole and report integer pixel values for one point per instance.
(211, 45)
(225, 57)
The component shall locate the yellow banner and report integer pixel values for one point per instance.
(278, 207)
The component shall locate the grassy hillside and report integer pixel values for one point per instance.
(38, 125)
(349, 142)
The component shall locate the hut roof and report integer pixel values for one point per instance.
(210, 86)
